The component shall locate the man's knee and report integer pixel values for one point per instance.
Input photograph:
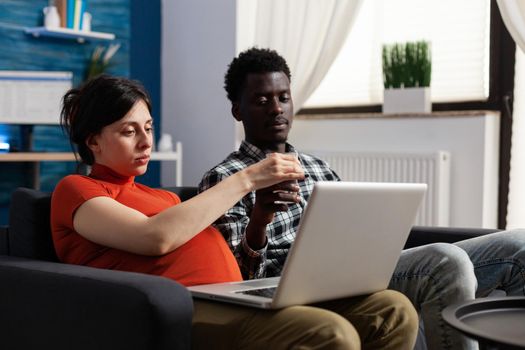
(395, 322)
(322, 329)
(513, 241)
(452, 262)
(453, 272)
(338, 334)
(397, 310)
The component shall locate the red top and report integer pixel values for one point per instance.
(206, 258)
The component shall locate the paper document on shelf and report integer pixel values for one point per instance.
(32, 97)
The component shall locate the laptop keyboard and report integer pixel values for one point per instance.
(261, 292)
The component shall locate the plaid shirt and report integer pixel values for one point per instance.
(268, 261)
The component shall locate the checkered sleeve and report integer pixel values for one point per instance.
(233, 225)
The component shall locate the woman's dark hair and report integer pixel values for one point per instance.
(253, 60)
(99, 102)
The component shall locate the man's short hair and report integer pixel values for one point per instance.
(250, 61)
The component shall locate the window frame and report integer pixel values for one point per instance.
(501, 90)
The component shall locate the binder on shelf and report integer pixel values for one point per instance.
(70, 13)
(82, 11)
(61, 6)
(78, 14)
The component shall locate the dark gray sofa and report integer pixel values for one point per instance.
(47, 304)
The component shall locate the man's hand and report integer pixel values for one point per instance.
(268, 201)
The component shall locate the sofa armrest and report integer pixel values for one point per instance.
(421, 235)
(4, 243)
(60, 306)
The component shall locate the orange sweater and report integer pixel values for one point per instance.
(206, 258)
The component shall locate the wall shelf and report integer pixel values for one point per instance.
(67, 33)
(69, 156)
(37, 157)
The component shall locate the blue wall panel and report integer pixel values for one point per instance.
(21, 51)
(145, 65)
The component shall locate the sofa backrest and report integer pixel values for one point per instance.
(4, 245)
(29, 226)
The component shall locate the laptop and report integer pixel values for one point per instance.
(347, 244)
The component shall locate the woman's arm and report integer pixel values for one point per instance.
(105, 221)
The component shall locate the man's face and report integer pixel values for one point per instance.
(265, 108)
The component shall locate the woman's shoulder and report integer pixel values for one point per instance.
(84, 186)
(69, 194)
(75, 178)
(74, 181)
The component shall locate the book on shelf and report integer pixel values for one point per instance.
(71, 13)
(70, 8)
(61, 6)
(79, 14)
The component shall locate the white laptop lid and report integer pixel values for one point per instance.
(348, 243)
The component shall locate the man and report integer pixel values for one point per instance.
(260, 232)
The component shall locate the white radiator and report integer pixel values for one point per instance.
(430, 168)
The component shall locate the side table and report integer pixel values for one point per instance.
(496, 323)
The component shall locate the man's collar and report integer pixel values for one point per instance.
(251, 150)
(255, 152)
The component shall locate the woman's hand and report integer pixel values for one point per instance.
(276, 168)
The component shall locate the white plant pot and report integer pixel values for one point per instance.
(407, 100)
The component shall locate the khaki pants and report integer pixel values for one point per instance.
(383, 320)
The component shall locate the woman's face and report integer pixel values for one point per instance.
(125, 145)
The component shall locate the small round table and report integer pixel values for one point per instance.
(496, 323)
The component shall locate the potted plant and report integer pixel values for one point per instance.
(100, 60)
(406, 76)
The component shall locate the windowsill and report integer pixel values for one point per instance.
(440, 114)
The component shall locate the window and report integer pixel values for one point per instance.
(459, 32)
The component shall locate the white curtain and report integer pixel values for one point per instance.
(513, 14)
(516, 206)
(307, 33)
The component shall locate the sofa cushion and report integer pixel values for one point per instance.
(4, 248)
(29, 227)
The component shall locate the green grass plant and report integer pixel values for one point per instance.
(407, 65)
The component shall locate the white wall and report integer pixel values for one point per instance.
(472, 140)
(198, 42)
